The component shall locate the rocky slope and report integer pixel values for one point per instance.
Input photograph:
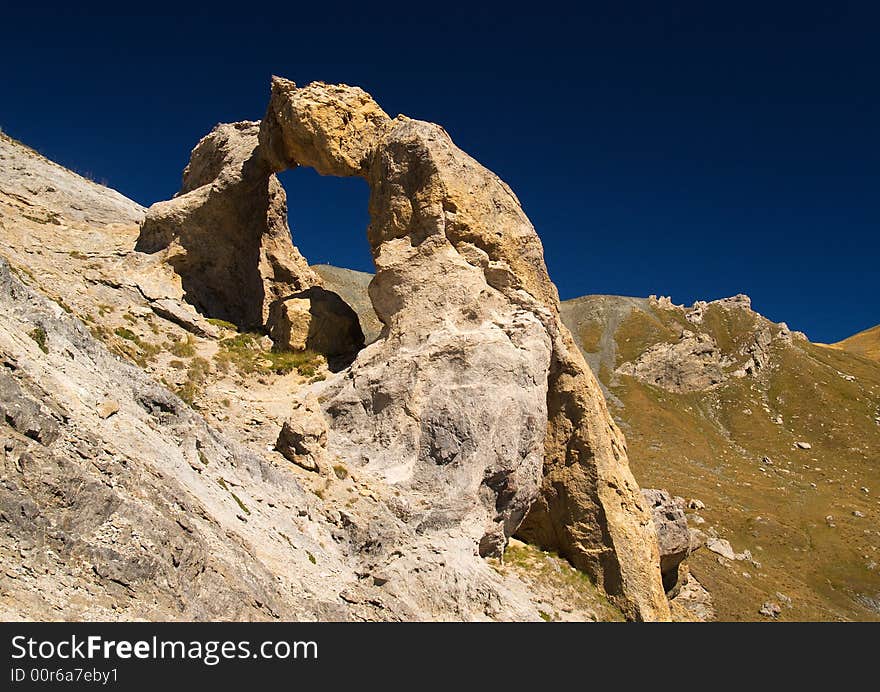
(773, 441)
(474, 404)
(177, 447)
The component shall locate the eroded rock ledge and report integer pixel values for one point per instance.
(474, 403)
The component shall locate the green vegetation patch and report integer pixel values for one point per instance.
(39, 335)
(243, 352)
(222, 483)
(590, 334)
(196, 376)
(223, 324)
(184, 348)
(554, 574)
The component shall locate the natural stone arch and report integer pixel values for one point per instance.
(226, 235)
(475, 397)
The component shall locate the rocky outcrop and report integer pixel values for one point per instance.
(318, 320)
(303, 437)
(673, 535)
(114, 508)
(476, 386)
(474, 403)
(691, 364)
(118, 501)
(757, 352)
(225, 234)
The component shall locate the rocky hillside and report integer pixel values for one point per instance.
(198, 425)
(774, 440)
(866, 343)
(195, 424)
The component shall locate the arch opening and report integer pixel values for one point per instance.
(328, 218)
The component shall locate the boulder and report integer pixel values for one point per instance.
(303, 436)
(316, 319)
(673, 536)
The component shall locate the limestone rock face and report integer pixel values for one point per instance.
(692, 364)
(475, 387)
(331, 128)
(353, 287)
(673, 535)
(225, 234)
(27, 174)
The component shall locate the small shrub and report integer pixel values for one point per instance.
(184, 348)
(340, 471)
(39, 335)
(126, 334)
(196, 375)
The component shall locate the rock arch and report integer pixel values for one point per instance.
(475, 398)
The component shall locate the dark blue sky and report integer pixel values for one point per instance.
(681, 149)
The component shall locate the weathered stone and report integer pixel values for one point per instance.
(465, 298)
(697, 539)
(692, 364)
(694, 597)
(226, 234)
(673, 536)
(319, 320)
(722, 547)
(770, 609)
(107, 408)
(23, 414)
(303, 437)
(183, 315)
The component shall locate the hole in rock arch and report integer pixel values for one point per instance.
(328, 218)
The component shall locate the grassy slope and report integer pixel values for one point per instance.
(866, 343)
(709, 445)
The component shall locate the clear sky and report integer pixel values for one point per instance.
(691, 149)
